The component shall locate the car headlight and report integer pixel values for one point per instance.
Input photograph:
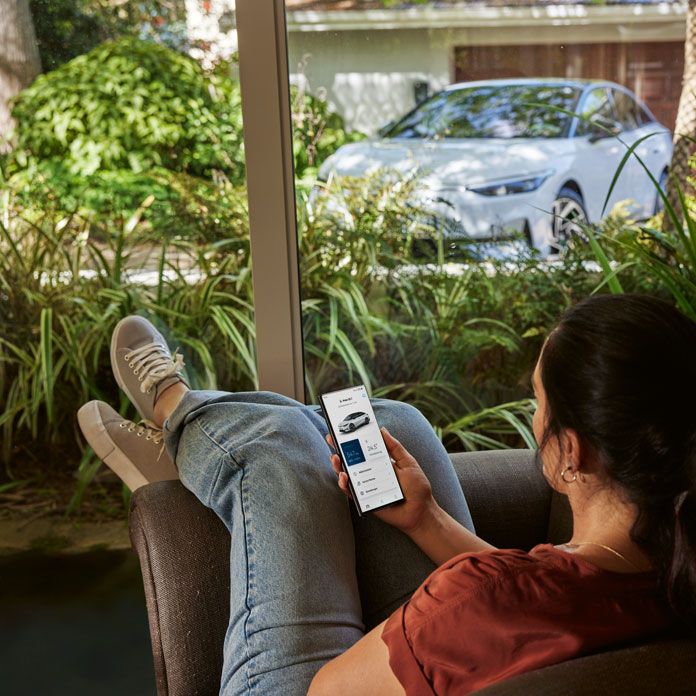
(508, 186)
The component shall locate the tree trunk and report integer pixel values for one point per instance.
(19, 58)
(685, 129)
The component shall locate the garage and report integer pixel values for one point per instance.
(653, 70)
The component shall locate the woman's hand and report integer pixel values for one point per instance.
(419, 502)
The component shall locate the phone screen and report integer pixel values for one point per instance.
(362, 450)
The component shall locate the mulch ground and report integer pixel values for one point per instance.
(35, 514)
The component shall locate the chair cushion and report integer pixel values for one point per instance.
(665, 667)
(508, 496)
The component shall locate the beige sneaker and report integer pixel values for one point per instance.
(135, 453)
(143, 364)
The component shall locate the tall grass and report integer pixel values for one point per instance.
(662, 250)
(457, 345)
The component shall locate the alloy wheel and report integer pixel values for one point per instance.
(568, 216)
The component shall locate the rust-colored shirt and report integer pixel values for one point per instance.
(483, 617)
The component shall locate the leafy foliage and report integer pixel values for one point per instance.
(65, 281)
(65, 29)
(125, 194)
(664, 262)
(317, 132)
(174, 139)
(131, 105)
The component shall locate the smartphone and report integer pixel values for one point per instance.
(360, 446)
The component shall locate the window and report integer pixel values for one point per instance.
(597, 107)
(627, 111)
(499, 111)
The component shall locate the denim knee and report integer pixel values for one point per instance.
(398, 413)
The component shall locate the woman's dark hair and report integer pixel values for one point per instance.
(620, 370)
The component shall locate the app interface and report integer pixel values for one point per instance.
(364, 452)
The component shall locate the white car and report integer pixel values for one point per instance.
(492, 158)
(353, 421)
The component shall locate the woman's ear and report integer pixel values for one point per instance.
(571, 449)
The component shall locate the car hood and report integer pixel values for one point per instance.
(452, 162)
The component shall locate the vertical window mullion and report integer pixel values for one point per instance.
(263, 68)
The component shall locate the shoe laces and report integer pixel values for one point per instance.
(148, 430)
(153, 363)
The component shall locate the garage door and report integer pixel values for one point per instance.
(653, 70)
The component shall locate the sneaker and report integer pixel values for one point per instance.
(143, 364)
(135, 453)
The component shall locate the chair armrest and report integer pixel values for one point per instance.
(184, 552)
(508, 496)
(666, 666)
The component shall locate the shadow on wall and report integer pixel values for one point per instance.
(368, 101)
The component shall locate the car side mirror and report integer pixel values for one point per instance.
(604, 128)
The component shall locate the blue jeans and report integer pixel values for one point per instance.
(299, 552)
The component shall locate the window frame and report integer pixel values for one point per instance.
(266, 113)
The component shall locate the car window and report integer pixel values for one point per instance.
(626, 110)
(492, 111)
(597, 104)
(643, 116)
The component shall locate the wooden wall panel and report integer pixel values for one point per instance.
(653, 70)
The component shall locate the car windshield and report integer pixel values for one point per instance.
(491, 111)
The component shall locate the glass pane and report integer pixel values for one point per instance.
(493, 111)
(597, 108)
(442, 195)
(627, 111)
(123, 191)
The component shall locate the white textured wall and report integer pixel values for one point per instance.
(368, 76)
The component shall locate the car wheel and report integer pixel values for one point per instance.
(351, 428)
(659, 203)
(568, 216)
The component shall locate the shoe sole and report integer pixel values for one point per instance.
(106, 449)
(117, 374)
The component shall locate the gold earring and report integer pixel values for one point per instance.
(575, 475)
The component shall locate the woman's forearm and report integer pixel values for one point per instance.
(441, 537)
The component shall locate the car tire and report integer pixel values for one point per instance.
(659, 203)
(567, 213)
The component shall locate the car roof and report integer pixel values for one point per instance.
(558, 81)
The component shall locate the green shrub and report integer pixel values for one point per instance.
(317, 132)
(643, 258)
(176, 204)
(131, 105)
(175, 141)
(61, 292)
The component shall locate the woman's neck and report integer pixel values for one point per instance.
(605, 521)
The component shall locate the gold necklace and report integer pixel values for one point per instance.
(608, 548)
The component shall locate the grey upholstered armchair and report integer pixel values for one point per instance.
(184, 553)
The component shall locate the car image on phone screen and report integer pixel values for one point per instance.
(360, 446)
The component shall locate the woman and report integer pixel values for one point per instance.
(614, 383)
